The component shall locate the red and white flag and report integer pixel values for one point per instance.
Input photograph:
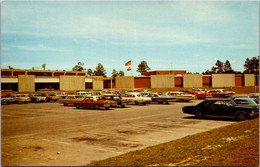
(128, 63)
(129, 69)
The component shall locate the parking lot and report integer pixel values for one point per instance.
(50, 134)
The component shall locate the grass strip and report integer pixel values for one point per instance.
(233, 145)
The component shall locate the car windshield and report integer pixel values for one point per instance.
(229, 103)
(256, 101)
(99, 98)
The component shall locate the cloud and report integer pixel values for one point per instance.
(37, 48)
(203, 12)
(240, 46)
(103, 26)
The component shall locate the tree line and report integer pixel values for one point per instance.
(251, 66)
(100, 70)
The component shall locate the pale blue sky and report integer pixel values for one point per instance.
(169, 35)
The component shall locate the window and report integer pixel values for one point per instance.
(219, 103)
(241, 101)
(256, 101)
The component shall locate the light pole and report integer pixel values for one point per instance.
(255, 79)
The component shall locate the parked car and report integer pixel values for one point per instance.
(135, 97)
(37, 98)
(70, 99)
(147, 99)
(52, 96)
(216, 93)
(96, 102)
(6, 100)
(247, 102)
(254, 95)
(200, 94)
(162, 98)
(21, 98)
(238, 96)
(181, 96)
(221, 107)
(118, 99)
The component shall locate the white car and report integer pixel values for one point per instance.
(21, 98)
(226, 91)
(70, 98)
(181, 96)
(136, 98)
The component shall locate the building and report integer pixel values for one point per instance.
(165, 72)
(37, 80)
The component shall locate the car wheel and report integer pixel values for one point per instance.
(65, 104)
(122, 106)
(198, 114)
(107, 108)
(167, 102)
(240, 116)
(144, 103)
(77, 106)
(136, 103)
(96, 107)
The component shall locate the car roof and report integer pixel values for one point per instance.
(219, 99)
(244, 98)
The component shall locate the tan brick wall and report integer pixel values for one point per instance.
(162, 81)
(68, 83)
(223, 80)
(125, 82)
(26, 83)
(249, 79)
(192, 80)
(98, 83)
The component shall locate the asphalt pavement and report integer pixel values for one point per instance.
(50, 134)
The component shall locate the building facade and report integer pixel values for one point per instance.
(38, 80)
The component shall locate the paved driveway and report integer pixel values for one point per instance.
(50, 134)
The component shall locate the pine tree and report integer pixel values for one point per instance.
(143, 67)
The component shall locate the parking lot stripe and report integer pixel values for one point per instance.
(60, 142)
(110, 151)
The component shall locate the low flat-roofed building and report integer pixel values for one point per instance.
(164, 72)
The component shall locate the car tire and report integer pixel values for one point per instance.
(167, 102)
(198, 114)
(96, 107)
(240, 116)
(107, 108)
(122, 106)
(136, 103)
(77, 106)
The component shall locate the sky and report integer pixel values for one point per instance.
(168, 35)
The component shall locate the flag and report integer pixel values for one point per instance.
(128, 63)
(129, 69)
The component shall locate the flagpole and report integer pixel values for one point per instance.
(131, 69)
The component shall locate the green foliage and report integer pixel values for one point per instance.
(143, 67)
(79, 67)
(89, 72)
(121, 73)
(228, 68)
(251, 65)
(115, 73)
(220, 68)
(100, 70)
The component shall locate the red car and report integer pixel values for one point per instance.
(96, 102)
(200, 95)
